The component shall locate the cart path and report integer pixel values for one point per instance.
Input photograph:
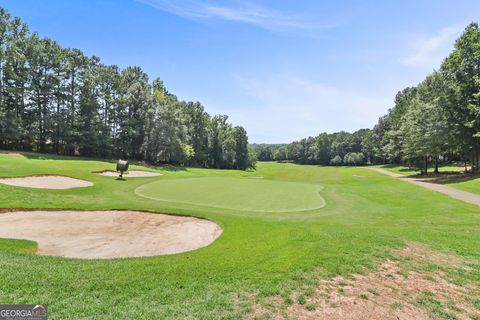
(449, 191)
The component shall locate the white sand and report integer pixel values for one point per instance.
(130, 174)
(46, 182)
(108, 234)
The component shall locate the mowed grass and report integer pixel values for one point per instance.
(252, 194)
(266, 253)
(457, 179)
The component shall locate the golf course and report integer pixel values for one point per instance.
(239, 160)
(286, 229)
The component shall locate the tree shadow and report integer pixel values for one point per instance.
(446, 177)
(455, 178)
(390, 166)
(48, 156)
(165, 167)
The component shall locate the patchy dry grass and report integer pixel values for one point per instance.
(415, 283)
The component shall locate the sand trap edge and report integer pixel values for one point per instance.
(215, 235)
(69, 183)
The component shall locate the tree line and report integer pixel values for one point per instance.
(58, 100)
(437, 120)
(325, 149)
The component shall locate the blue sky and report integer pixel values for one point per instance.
(282, 69)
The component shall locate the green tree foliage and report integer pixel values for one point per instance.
(461, 69)
(336, 161)
(354, 159)
(438, 119)
(320, 149)
(58, 100)
(241, 148)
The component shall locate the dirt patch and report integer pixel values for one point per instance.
(129, 174)
(420, 253)
(46, 182)
(108, 234)
(399, 289)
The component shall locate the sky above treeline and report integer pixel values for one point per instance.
(284, 70)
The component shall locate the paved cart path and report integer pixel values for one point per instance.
(449, 191)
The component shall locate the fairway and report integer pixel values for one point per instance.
(281, 253)
(241, 194)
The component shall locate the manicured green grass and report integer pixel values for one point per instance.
(252, 194)
(470, 185)
(458, 180)
(365, 215)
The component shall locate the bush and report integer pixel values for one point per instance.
(336, 161)
(354, 159)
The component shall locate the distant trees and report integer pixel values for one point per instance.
(60, 101)
(325, 149)
(354, 159)
(336, 161)
(270, 152)
(438, 119)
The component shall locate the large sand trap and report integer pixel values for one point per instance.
(46, 182)
(130, 174)
(108, 234)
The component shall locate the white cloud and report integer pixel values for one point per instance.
(290, 108)
(246, 13)
(429, 52)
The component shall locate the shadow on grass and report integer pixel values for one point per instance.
(48, 156)
(449, 177)
(441, 167)
(390, 166)
(165, 167)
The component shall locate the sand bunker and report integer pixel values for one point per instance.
(46, 182)
(108, 234)
(130, 174)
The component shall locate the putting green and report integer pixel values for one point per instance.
(242, 194)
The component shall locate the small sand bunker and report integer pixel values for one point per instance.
(130, 174)
(108, 234)
(46, 182)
